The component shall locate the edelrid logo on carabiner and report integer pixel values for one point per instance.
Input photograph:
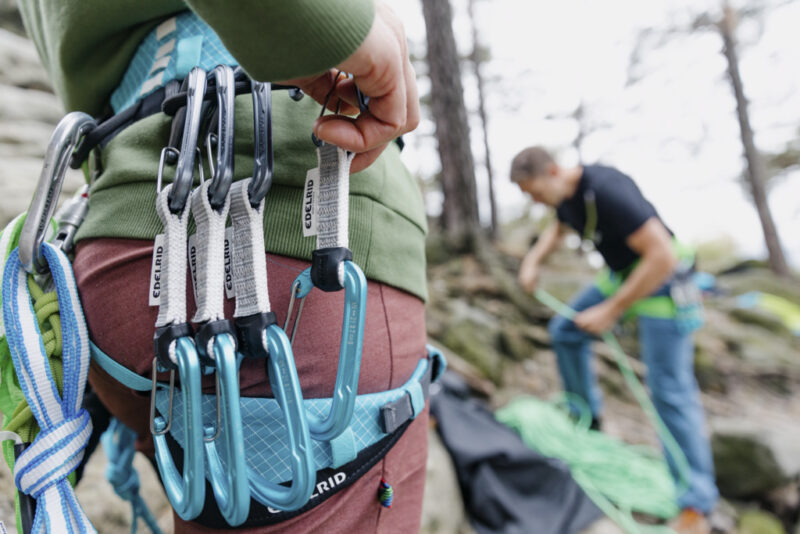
(353, 326)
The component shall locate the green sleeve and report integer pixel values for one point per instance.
(279, 39)
(86, 45)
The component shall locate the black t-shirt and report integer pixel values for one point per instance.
(620, 207)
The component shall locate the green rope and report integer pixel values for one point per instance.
(619, 478)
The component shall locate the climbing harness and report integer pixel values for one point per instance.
(679, 298)
(613, 474)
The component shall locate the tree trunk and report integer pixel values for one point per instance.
(460, 208)
(477, 62)
(756, 171)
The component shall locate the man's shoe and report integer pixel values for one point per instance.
(690, 521)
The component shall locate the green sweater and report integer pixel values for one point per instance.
(86, 46)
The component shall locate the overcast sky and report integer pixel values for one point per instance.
(674, 132)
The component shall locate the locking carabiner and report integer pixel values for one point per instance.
(350, 347)
(62, 143)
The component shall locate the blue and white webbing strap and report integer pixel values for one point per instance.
(42, 469)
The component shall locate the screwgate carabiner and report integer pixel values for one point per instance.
(350, 347)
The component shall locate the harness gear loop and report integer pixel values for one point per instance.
(62, 143)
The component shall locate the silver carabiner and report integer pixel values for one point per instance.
(62, 143)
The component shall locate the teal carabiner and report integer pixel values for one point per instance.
(286, 388)
(186, 491)
(229, 480)
(350, 348)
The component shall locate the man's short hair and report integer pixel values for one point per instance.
(529, 163)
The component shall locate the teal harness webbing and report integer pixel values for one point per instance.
(376, 416)
(168, 53)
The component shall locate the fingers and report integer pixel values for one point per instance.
(382, 71)
(365, 159)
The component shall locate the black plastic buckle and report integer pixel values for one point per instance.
(163, 338)
(325, 267)
(206, 332)
(250, 333)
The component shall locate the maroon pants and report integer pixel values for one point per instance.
(113, 280)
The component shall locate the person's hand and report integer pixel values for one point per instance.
(529, 276)
(382, 71)
(599, 318)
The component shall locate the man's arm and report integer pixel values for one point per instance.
(658, 260)
(547, 242)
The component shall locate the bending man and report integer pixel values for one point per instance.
(645, 263)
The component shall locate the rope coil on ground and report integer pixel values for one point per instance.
(619, 478)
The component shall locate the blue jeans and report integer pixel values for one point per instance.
(668, 354)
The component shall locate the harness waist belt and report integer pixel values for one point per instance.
(376, 416)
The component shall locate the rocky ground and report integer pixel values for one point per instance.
(747, 363)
